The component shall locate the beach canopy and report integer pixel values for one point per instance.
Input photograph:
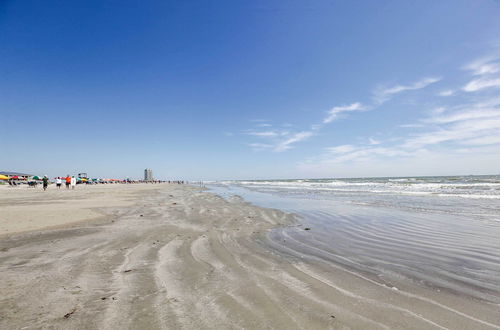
(3, 177)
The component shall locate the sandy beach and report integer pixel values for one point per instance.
(175, 257)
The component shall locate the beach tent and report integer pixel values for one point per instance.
(3, 177)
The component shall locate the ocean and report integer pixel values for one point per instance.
(440, 233)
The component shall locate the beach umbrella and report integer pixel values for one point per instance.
(36, 177)
(15, 177)
(3, 177)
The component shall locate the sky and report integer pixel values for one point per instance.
(213, 90)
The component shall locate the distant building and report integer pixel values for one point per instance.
(11, 174)
(148, 175)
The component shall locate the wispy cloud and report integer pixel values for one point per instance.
(484, 66)
(487, 68)
(260, 146)
(461, 133)
(361, 153)
(280, 141)
(481, 83)
(335, 111)
(341, 149)
(297, 137)
(264, 133)
(277, 140)
(453, 127)
(447, 92)
(382, 95)
(411, 126)
(465, 124)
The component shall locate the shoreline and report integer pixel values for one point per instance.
(178, 257)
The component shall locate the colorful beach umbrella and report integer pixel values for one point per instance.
(3, 177)
(15, 177)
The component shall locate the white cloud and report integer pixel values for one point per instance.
(465, 115)
(447, 92)
(481, 83)
(420, 162)
(459, 133)
(297, 137)
(333, 114)
(349, 153)
(484, 66)
(382, 95)
(448, 133)
(485, 140)
(260, 146)
(264, 134)
(335, 111)
(411, 126)
(341, 149)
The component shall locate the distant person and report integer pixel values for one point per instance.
(68, 181)
(45, 181)
(73, 182)
(58, 182)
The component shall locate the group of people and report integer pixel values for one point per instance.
(70, 181)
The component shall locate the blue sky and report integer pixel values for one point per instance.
(250, 89)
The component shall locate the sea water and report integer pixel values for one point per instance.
(439, 232)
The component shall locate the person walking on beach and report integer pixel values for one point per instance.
(73, 182)
(45, 181)
(58, 182)
(68, 181)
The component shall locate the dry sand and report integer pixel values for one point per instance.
(173, 257)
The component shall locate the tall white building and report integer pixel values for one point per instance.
(148, 174)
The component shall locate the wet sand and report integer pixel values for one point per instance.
(170, 257)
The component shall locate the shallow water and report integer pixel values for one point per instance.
(442, 233)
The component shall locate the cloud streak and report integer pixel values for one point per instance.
(481, 83)
(280, 141)
(287, 144)
(382, 95)
(484, 66)
(486, 69)
(335, 111)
